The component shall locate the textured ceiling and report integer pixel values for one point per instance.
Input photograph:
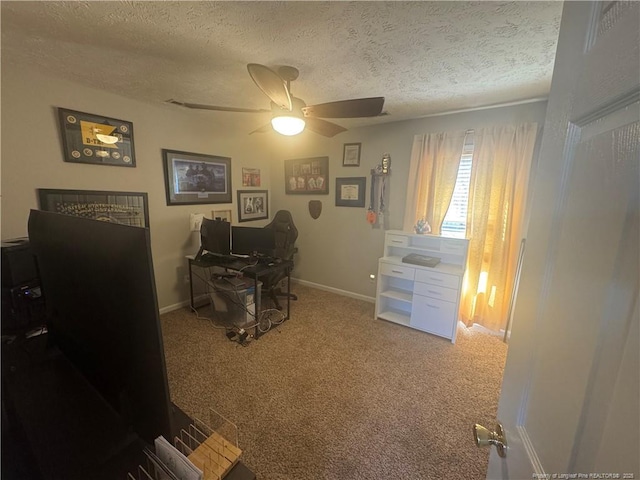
(423, 57)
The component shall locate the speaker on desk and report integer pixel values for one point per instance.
(22, 302)
(18, 264)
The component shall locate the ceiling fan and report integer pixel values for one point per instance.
(291, 114)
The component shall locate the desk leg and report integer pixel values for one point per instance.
(191, 286)
(258, 299)
(288, 294)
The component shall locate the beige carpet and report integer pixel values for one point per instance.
(334, 394)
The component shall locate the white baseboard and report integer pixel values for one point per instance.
(173, 307)
(344, 293)
(186, 303)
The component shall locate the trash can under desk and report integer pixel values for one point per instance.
(234, 300)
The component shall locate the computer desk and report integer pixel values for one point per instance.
(240, 265)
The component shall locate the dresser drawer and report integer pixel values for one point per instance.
(398, 271)
(434, 316)
(435, 291)
(436, 278)
(397, 241)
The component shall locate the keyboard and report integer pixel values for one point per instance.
(236, 262)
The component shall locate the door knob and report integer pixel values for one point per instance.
(484, 437)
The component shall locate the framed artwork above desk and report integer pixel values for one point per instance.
(307, 176)
(195, 178)
(253, 205)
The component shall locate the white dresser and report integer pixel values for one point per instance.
(424, 298)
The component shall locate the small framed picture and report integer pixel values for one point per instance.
(350, 191)
(250, 177)
(351, 155)
(253, 205)
(224, 215)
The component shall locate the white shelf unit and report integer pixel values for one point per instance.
(424, 298)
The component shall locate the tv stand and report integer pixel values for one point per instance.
(57, 426)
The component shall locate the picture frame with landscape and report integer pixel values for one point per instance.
(195, 178)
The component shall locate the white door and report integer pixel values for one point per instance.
(570, 397)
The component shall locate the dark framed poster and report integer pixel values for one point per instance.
(95, 139)
(195, 178)
(127, 208)
(307, 176)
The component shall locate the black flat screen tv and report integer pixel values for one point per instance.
(102, 312)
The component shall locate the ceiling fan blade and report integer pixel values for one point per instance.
(263, 129)
(323, 127)
(214, 107)
(271, 84)
(357, 107)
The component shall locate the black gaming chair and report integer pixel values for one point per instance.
(286, 234)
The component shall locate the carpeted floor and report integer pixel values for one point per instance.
(334, 394)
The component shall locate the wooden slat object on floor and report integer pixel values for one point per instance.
(215, 457)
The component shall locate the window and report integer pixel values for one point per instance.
(455, 221)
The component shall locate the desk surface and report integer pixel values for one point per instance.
(246, 265)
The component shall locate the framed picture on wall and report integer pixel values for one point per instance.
(350, 191)
(351, 155)
(224, 215)
(253, 205)
(307, 176)
(127, 208)
(194, 178)
(95, 139)
(250, 177)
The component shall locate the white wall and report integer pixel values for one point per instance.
(32, 158)
(338, 250)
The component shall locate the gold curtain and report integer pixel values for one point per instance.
(502, 159)
(435, 158)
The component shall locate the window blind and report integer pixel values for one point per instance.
(455, 221)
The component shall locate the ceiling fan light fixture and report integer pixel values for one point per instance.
(291, 115)
(287, 124)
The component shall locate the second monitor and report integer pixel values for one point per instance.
(252, 241)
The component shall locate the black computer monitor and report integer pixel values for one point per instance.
(102, 312)
(252, 241)
(215, 237)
